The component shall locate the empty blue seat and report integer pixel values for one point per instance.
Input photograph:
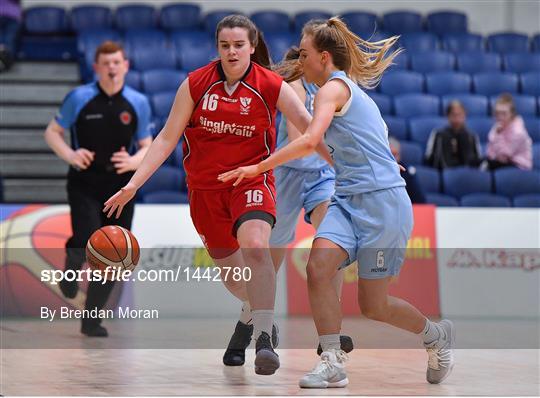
(144, 39)
(162, 103)
(536, 155)
(133, 80)
(435, 61)
(475, 104)
(409, 105)
(525, 104)
(166, 197)
(420, 127)
(383, 101)
(401, 82)
(530, 200)
(522, 62)
(441, 83)
(474, 62)
(360, 22)
(135, 16)
(301, 18)
(399, 22)
(428, 178)
(88, 41)
(508, 42)
(211, 19)
(513, 181)
(401, 62)
(532, 124)
(481, 125)
(90, 17)
(397, 127)
(153, 58)
(191, 58)
(180, 16)
(443, 22)
(419, 42)
(193, 49)
(160, 80)
(441, 200)
(411, 153)
(485, 200)
(45, 20)
(278, 44)
(463, 42)
(530, 83)
(536, 42)
(460, 181)
(166, 178)
(271, 21)
(493, 83)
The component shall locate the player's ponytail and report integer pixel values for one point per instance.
(289, 68)
(363, 61)
(261, 54)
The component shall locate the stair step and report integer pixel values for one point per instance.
(26, 116)
(26, 72)
(35, 191)
(24, 141)
(29, 94)
(38, 165)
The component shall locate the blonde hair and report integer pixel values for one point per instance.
(507, 99)
(363, 61)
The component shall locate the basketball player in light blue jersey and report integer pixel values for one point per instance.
(306, 183)
(370, 216)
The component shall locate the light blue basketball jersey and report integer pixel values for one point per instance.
(313, 161)
(358, 142)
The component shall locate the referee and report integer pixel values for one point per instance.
(110, 132)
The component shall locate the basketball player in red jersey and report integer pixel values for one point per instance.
(226, 111)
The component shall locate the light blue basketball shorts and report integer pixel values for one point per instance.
(297, 189)
(372, 228)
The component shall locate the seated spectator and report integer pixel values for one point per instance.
(509, 144)
(409, 175)
(10, 18)
(453, 145)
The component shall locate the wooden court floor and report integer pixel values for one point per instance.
(91, 370)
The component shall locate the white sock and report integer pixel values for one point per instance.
(430, 333)
(245, 314)
(262, 322)
(330, 342)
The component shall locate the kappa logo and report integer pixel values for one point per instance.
(245, 105)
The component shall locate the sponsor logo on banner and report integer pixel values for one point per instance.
(33, 241)
(417, 282)
(495, 258)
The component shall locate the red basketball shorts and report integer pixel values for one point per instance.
(217, 215)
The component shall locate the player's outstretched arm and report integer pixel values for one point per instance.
(327, 100)
(158, 152)
(292, 129)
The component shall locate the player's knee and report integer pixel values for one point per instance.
(317, 271)
(375, 312)
(254, 242)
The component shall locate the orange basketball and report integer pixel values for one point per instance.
(112, 246)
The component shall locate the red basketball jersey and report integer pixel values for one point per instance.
(227, 131)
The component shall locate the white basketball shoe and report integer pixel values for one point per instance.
(329, 372)
(440, 354)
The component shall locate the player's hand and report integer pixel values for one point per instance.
(119, 200)
(240, 173)
(402, 168)
(122, 161)
(81, 158)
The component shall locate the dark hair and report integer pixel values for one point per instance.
(261, 54)
(289, 68)
(454, 104)
(363, 61)
(109, 47)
